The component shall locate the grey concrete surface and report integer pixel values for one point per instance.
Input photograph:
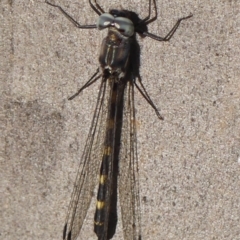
(189, 164)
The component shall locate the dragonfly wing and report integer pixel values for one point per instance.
(87, 176)
(128, 170)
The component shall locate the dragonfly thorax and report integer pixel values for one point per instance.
(114, 54)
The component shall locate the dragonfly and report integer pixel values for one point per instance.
(110, 158)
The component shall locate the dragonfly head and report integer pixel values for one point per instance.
(117, 20)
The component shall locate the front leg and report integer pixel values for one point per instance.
(71, 19)
(170, 34)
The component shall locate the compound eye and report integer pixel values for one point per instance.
(124, 26)
(105, 20)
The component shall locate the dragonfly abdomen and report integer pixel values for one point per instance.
(104, 189)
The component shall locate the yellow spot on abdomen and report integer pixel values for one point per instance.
(102, 179)
(98, 223)
(107, 151)
(100, 205)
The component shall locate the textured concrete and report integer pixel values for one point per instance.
(189, 163)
